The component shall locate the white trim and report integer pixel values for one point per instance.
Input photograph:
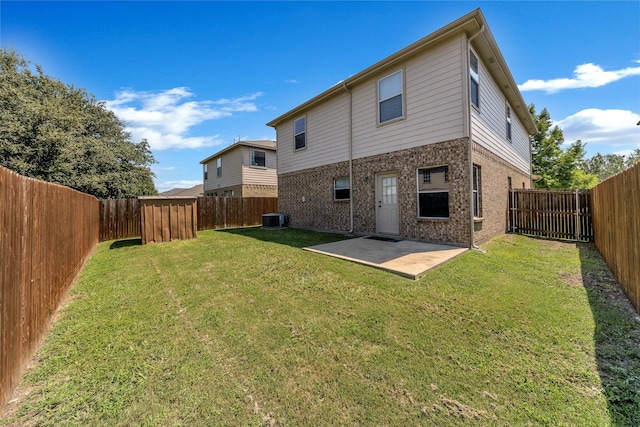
(300, 133)
(402, 94)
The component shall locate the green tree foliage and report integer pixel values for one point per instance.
(57, 133)
(557, 167)
(604, 166)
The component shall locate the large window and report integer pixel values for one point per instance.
(474, 79)
(476, 191)
(433, 192)
(300, 133)
(205, 171)
(258, 158)
(341, 189)
(390, 103)
(219, 167)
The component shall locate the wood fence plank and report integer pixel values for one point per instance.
(47, 233)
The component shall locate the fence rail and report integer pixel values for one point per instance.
(616, 222)
(556, 214)
(121, 219)
(47, 231)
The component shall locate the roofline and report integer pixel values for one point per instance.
(235, 145)
(468, 23)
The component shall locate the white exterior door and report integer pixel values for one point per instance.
(387, 203)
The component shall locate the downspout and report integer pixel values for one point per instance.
(344, 86)
(472, 243)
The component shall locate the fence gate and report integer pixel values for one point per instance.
(555, 214)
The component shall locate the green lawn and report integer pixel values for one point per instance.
(242, 327)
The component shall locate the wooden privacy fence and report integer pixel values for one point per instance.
(47, 231)
(121, 219)
(168, 218)
(616, 222)
(556, 214)
(227, 212)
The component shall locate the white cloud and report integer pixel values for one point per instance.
(292, 81)
(183, 183)
(164, 118)
(585, 75)
(613, 128)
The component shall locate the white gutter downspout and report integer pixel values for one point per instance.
(344, 86)
(472, 243)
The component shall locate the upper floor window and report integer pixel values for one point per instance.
(205, 170)
(341, 189)
(508, 114)
(474, 79)
(258, 158)
(300, 133)
(219, 167)
(390, 93)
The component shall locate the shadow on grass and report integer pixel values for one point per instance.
(125, 243)
(616, 336)
(295, 237)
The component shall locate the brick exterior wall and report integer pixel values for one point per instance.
(256, 190)
(251, 190)
(320, 211)
(493, 177)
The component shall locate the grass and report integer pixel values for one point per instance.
(241, 327)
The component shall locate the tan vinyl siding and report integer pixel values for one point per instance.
(433, 95)
(433, 100)
(327, 137)
(267, 175)
(489, 127)
(231, 171)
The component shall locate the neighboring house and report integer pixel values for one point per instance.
(195, 191)
(244, 169)
(423, 145)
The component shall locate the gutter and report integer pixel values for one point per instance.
(344, 86)
(472, 243)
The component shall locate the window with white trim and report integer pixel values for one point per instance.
(390, 94)
(476, 191)
(474, 79)
(433, 192)
(341, 189)
(205, 171)
(300, 133)
(258, 158)
(508, 118)
(219, 167)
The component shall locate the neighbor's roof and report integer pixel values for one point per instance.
(485, 45)
(265, 144)
(195, 191)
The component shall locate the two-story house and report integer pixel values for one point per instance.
(244, 169)
(422, 145)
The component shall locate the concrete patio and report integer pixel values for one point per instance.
(404, 257)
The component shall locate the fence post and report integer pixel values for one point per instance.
(513, 213)
(577, 218)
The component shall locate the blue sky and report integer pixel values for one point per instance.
(192, 77)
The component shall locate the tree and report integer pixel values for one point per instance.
(57, 133)
(608, 165)
(557, 168)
